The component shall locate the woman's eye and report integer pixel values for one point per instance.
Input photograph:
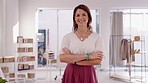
(77, 15)
(84, 14)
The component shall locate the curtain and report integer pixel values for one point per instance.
(116, 37)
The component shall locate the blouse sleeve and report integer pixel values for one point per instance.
(100, 44)
(65, 43)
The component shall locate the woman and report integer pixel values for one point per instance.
(81, 49)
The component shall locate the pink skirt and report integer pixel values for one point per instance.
(79, 74)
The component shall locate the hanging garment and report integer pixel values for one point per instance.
(124, 50)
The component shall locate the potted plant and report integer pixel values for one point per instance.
(2, 80)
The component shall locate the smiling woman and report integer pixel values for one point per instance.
(81, 49)
(53, 22)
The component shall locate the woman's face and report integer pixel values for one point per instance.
(81, 17)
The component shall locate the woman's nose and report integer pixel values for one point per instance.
(81, 17)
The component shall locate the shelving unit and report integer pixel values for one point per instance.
(134, 69)
(7, 65)
(25, 59)
(139, 65)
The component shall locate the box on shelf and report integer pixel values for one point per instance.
(51, 55)
(31, 67)
(24, 58)
(9, 59)
(137, 38)
(12, 59)
(19, 59)
(25, 49)
(54, 61)
(1, 59)
(6, 60)
(28, 58)
(11, 75)
(26, 66)
(28, 40)
(31, 58)
(21, 75)
(5, 69)
(30, 49)
(20, 66)
(21, 49)
(31, 75)
(20, 39)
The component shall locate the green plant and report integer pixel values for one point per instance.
(2, 80)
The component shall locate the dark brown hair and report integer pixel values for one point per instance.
(86, 9)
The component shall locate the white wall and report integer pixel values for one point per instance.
(11, 26)
(1, 25)
(9, 18)
(27, 9)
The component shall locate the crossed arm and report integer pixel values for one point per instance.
(80, 59)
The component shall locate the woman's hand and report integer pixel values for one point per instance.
(93, 55)
(96, 55)
(66, 51)
(100, 53)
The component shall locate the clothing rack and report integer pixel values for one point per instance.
(130, 67)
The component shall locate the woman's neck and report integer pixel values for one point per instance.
(82, 30)
(82, 33)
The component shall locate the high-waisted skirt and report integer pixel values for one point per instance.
(79, 74)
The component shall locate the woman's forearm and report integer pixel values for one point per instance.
(89, 62)
(69, 58)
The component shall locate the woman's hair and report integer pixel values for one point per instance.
(86, 9)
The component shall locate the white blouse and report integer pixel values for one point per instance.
(94, 42)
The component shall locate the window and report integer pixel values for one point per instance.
(135, 23)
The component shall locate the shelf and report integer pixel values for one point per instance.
(121, 76)
(139, 41)
(8, 63)
(25, 61)
(139, 65)
(26, 70)
(25, 58)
